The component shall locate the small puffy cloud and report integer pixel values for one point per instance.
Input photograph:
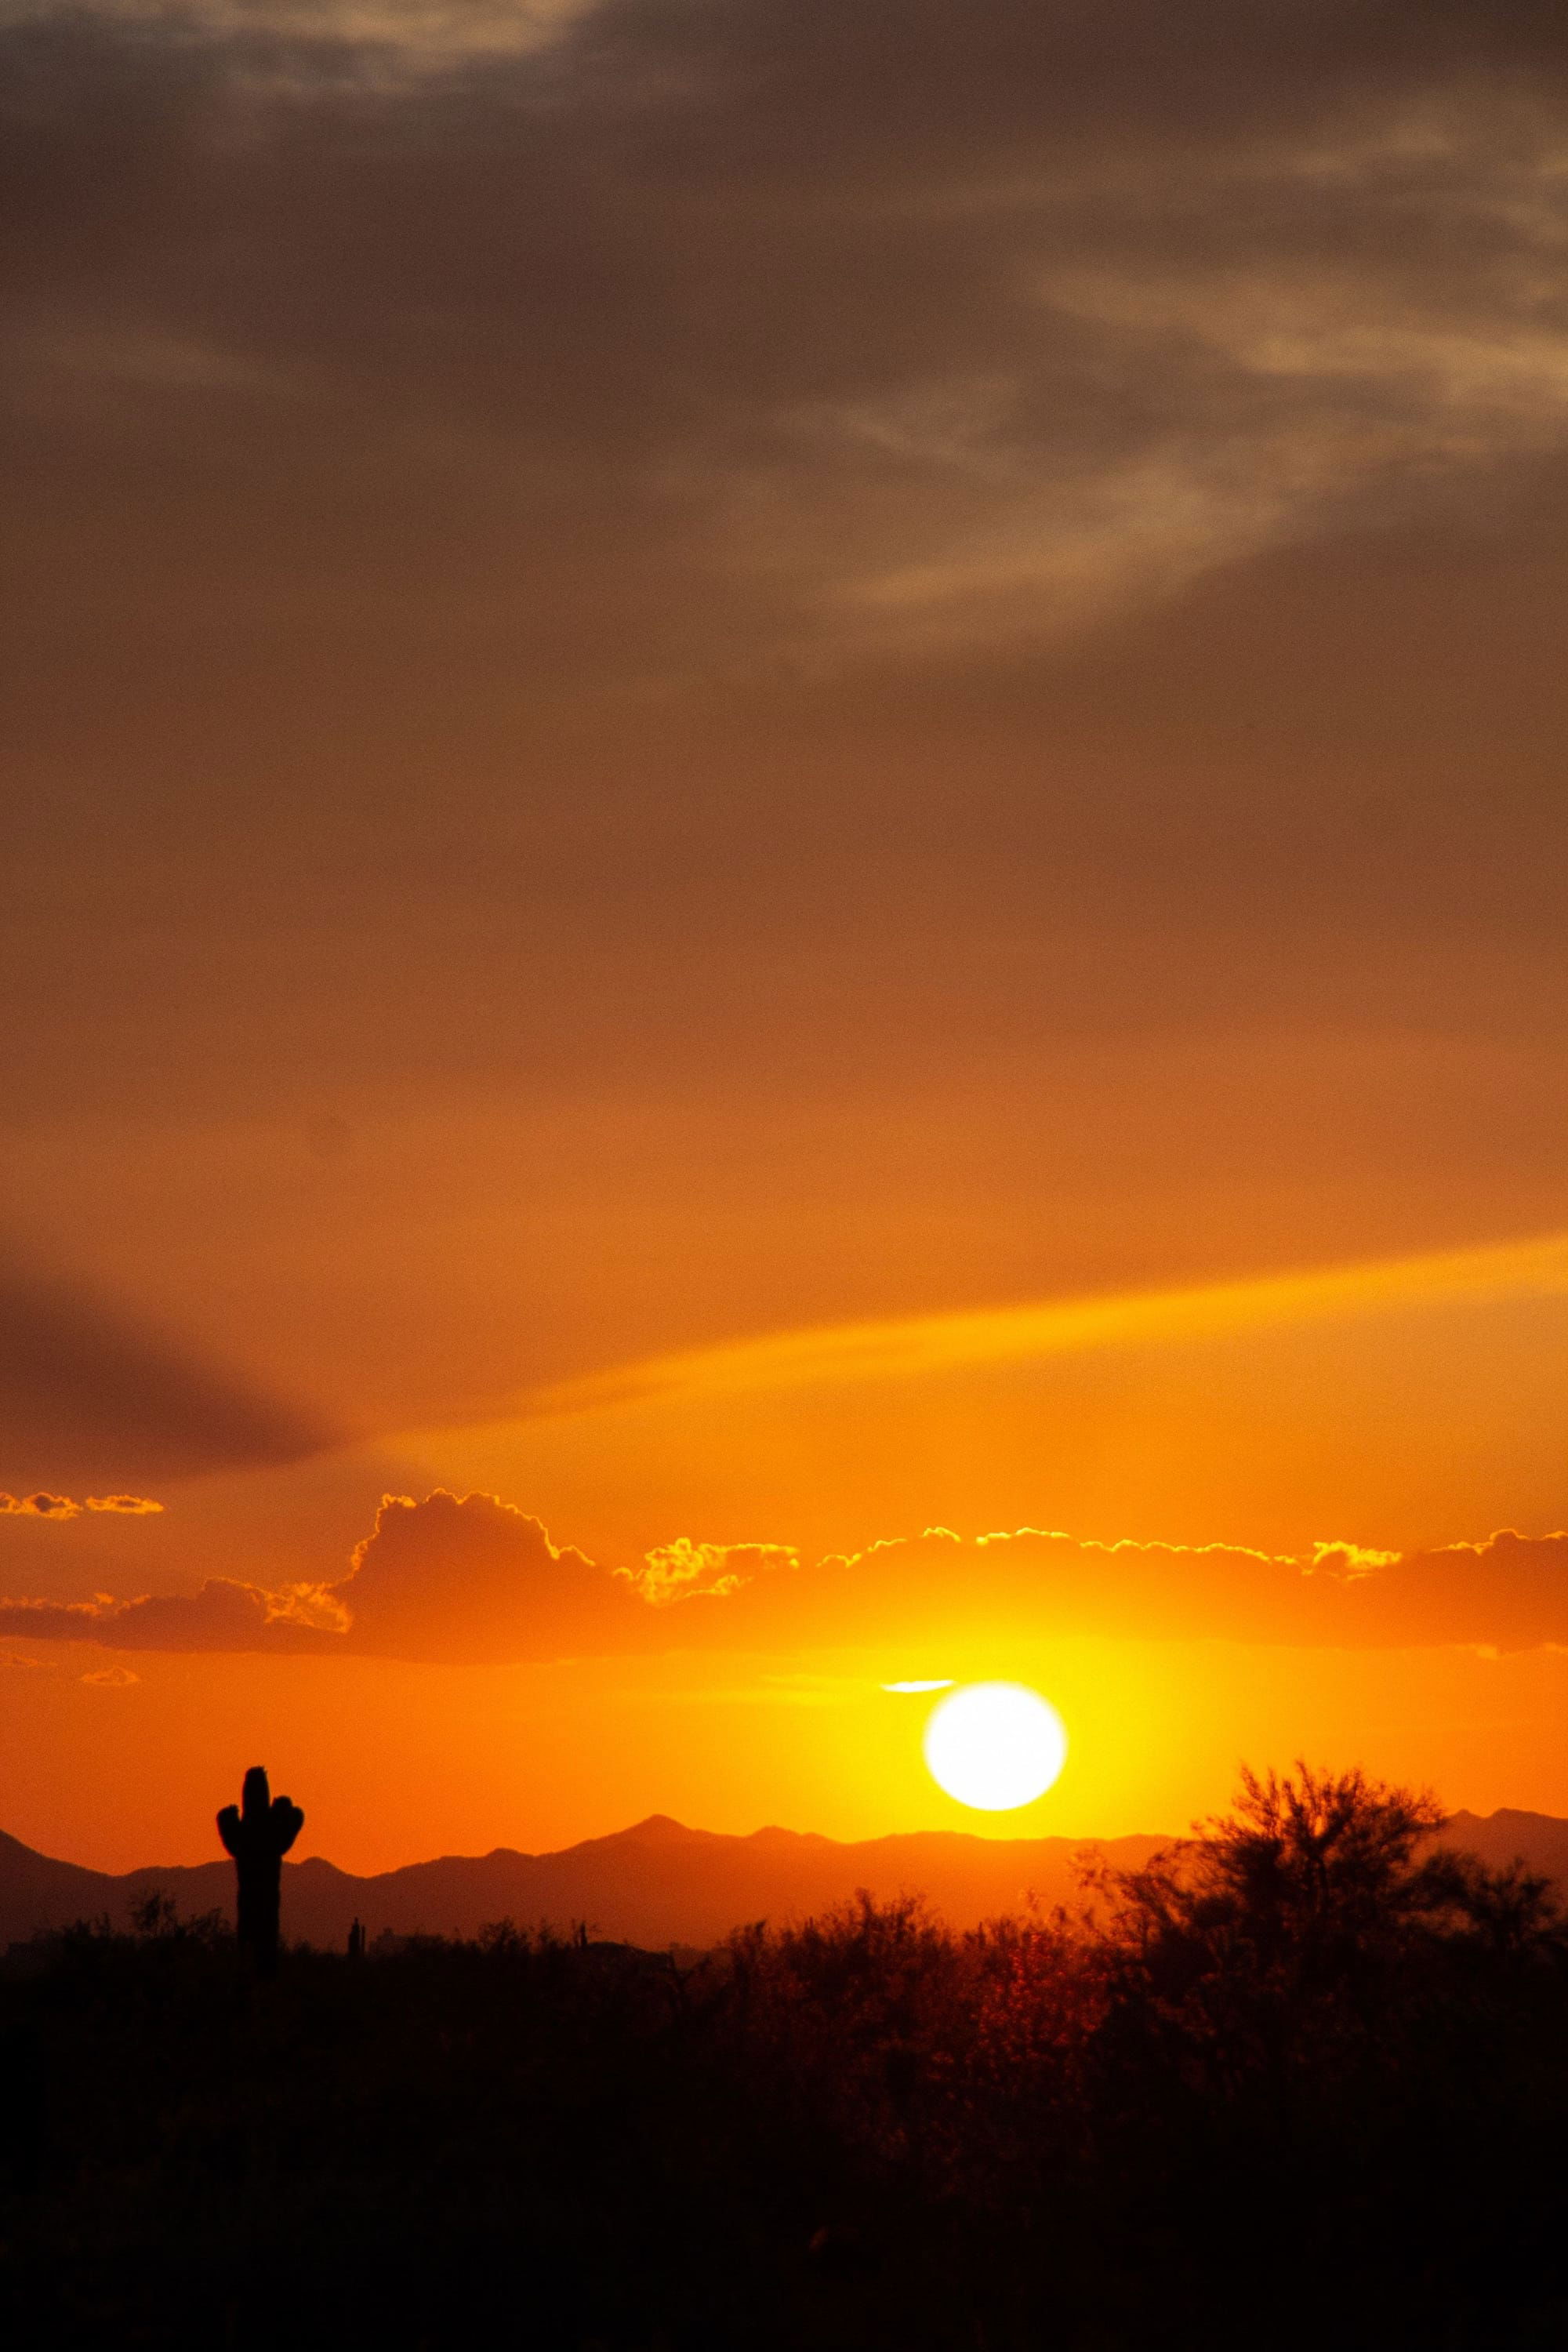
(112, 1678)
(38, 1507)
(682, 1570)
(315, 1606)
(61, 1506)
(1349, 1561)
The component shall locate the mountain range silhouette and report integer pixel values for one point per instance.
(657, 1884)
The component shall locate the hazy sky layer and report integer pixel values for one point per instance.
(685, 673)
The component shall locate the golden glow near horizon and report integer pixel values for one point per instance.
(995, 1746)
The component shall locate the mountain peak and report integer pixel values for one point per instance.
(657, 1882)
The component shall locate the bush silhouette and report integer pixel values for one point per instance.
(1304, 2080)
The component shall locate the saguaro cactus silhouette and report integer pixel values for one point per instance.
(258, 1832)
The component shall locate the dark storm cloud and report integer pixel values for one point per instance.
(471, 1580)
(87, 1393)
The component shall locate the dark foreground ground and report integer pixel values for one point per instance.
(1302, 2089)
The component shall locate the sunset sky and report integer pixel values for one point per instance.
(785, 827)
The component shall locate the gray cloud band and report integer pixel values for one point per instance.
(709, 349)
(902, 324)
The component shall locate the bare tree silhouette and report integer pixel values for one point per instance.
(258, 1832)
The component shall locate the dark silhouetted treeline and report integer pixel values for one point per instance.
(1300, 2082)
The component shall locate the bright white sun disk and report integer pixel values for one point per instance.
(995, 1746)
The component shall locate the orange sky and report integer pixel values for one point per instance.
(395, 1762)
(779, 773)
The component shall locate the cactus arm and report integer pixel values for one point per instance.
(229, 1829)
(288, 1821)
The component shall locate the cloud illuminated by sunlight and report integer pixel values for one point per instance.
(61, 1506)
(907, 1346)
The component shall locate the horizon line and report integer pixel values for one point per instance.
(733, 1837)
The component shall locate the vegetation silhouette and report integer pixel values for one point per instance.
(1302, 2080)
(258, 1832)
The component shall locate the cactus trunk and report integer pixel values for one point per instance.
(258, 1832)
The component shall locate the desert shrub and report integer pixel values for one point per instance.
(1301, 2078)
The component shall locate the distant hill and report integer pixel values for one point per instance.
(656, 1884)
(1540, 1839)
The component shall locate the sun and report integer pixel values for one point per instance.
(995, 1746)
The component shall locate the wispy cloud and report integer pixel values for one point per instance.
(906, 1346)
